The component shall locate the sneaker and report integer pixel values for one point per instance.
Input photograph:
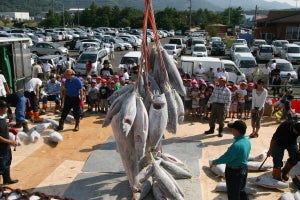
(253, 135)
(220, 134)
(210, 131)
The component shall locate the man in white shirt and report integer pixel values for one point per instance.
(224, 73)
(111, 51)
(273, 65)
(200, 72)
(266, 71)
(4, 89)
(47, 67)
(32, 92)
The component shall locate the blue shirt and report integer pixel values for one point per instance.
(237, 154)
(73, 86)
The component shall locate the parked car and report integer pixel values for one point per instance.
(70, 45)
(97, 58)
(291, 52)
(199, 50)
(277, 46)
(264, 52)
(44, 48)
(179, 42)
(239, 49)
(255, 44)
(285, 68)
(173, 49)
(217, 48)
(52, 59)
(241, 41)
(89, 46)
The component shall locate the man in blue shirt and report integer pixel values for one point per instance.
(73, 95)
(236, 158)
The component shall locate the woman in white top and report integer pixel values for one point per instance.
(259, 96)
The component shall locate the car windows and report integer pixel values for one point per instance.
(85, 57)
(229, 68)
(266, 50)
(169, 47)
(247, 64)
(285, 66)
(294, 50)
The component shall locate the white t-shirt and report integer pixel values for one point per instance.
(32, 84)
(273, 66)
(47, 67)
(2, 88)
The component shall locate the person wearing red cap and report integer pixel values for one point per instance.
(93, 96)
(248, 100)
(117, 82)
(241, 93)
(234, 102)
(103, 95)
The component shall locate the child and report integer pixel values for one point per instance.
(209, 90)
(93, 94)
(248, 100)
(195, 99)
(103, 95)
(187, 99)
(202, 103)
(241, 94)
(234, 102)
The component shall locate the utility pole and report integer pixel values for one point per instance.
(63, 14)
(190, 14)
(254, 22)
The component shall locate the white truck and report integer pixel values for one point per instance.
(189, 65)
(16, 62)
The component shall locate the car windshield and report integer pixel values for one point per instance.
(242, 49)
(85, 57)
(198, 42)
(257, 43)
(199, 48)
(294, 50)
(284, 67)
(218, 44)
(169, 47)
(247, 64)
(266, 49)
(129, 60)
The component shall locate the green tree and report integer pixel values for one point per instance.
(51, 20)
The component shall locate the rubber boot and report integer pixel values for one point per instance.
(25, 126)
(76, 128)
(43, 111)
(6, 178)
(37, 118)
(18, 124)
(60, 126)
(220, 132)
(277, 174)
(210, 131)
(285, 171)
(32, 118)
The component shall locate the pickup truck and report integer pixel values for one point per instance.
(179, 42)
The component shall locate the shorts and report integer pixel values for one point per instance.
(248, 105)
(233, 107)
(241, 105)
(188, 104)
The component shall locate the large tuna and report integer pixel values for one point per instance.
(128, 113)
(158, 118)
(140, 128)
(179, 106)
(173, 74)
(125, 145)
(268, 182)
(172, 125)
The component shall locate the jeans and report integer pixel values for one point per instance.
(54, 97)
(278, 152)
(236, 180)
(20, 109)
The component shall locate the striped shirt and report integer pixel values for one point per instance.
(221, 95)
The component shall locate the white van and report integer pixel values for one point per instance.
(194, 41)
(291, 52)
(97, 58)
(130, 60)
(189, 65)
(246, 63)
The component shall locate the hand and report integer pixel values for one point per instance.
(14, 131)
(13, 143)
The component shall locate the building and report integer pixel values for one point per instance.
(15, 15)
(281, 25)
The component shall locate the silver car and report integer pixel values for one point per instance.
(48, 48)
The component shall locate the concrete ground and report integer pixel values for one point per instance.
(70, 168)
